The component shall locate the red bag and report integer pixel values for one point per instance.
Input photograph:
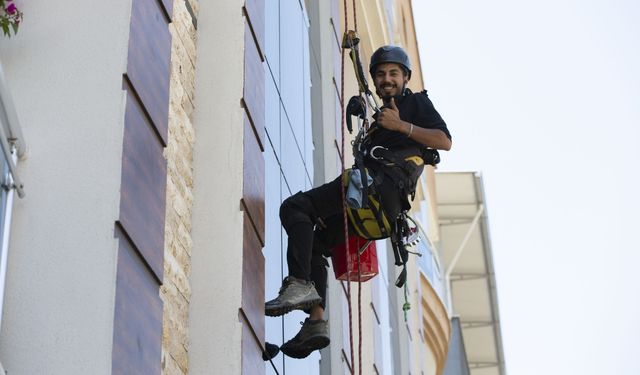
(368, 259)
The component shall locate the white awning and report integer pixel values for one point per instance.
(466, 255)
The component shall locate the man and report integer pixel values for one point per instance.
(407, 125)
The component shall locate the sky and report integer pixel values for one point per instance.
(543, 99)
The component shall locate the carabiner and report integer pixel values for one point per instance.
(373, 149)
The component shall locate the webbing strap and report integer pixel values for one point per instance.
(378, 214)
(361, 228)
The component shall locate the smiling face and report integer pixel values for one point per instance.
(390, 79)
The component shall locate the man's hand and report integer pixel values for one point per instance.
(389, 118)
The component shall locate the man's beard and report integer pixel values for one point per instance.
(386, 99)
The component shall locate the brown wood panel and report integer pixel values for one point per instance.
(254, 85)
(253, 180)
(137, 330)
(142, 192)
(148, 62)
(338, 124)
(252, 363)
(254, 9)
(253, 280)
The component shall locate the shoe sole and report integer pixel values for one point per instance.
(284, 309)
(303, 351)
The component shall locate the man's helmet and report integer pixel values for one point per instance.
(389, 54)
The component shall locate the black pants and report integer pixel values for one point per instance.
(308, 242)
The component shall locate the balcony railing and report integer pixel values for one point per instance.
(429, 263)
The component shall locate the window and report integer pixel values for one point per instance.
(288, 154)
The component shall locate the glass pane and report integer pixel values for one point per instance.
(307, 149)
(272, 38)
(291, 159)
(292, 62)
(272, 111)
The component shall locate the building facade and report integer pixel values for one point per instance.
(142, 231)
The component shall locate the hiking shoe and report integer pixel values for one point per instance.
(295, 294)
(314, 335)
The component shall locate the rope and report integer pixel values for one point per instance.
(355, 28)
(342, 192)
(344, 213)
(359, 313)
(355, 16)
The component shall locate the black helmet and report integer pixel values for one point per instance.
(390, 54)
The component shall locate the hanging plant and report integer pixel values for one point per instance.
(10, 17)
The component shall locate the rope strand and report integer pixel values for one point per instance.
(342, 191)
(359, 313)
(355, 17)
(344, 213)
(355, 28)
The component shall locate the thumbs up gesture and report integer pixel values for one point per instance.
(389, 118)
